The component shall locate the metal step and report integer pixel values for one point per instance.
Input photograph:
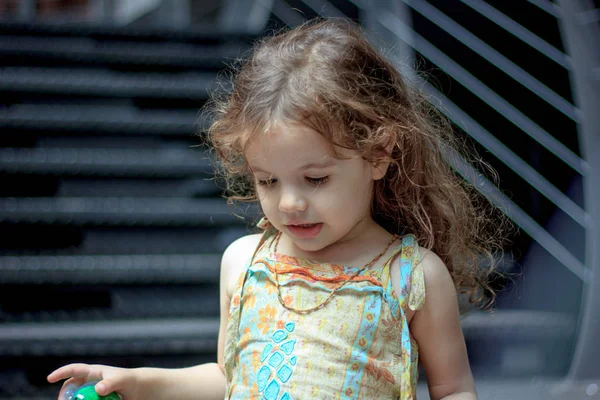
(205, 33)
(19, 185)
(59, 240)
(88, 82)
(131, 337)
(106, 302)
(26, 379)
(137, 188)
(168, 161)
(99, 120)
(110, 269)
(507, 323)
(86, 51)
(517, 343)
(118, 211)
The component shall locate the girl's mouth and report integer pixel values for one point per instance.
(305, 231)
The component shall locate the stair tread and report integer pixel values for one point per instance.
(119, 211)
(100, 119)
(105, 161)
(115, 268)
(73, 81)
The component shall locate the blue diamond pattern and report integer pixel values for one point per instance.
(284, 373)
(279, 335)
(275, 359)
(272, 390)
(283, 362)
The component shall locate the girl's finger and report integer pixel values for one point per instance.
(106, 386)
(113, 383)
(68, 371)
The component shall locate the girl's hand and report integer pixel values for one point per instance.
(111, 379)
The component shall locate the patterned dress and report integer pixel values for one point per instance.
(356, 347)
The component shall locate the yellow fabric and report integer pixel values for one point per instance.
(356, 347)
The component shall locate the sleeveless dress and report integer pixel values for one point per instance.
(358, 346)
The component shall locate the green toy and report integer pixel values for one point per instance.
(87, 392)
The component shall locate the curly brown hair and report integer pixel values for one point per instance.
(327, 75)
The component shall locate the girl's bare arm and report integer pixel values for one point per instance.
(436, 328)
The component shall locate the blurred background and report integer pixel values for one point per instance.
(112, 226)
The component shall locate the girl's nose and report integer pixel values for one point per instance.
(292, 201)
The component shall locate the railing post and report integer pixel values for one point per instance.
(581, 42)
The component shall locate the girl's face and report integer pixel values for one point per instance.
(312, 197)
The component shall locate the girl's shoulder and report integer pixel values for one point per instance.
(236, 258)
(416, 271)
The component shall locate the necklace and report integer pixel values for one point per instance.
(319, 306)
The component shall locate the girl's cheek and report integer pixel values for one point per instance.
(267, 201)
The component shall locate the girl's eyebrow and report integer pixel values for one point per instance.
(316, 165)
(256, 169)
(321, 164)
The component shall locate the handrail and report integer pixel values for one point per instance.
(581, 43)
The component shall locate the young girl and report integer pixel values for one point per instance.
(366, 236)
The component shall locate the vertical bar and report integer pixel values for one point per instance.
(581, 41)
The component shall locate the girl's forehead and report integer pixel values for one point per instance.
(293, 143)
(289, 137)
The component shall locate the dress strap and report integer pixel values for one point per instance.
(234, 320)
(412, 279)
(269, 232)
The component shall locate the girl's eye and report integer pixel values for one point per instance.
(317, 181)
(267, 182)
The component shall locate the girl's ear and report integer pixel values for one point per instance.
(379, 168)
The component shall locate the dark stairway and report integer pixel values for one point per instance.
(112, 225)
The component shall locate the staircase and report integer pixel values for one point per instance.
(112, 223)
